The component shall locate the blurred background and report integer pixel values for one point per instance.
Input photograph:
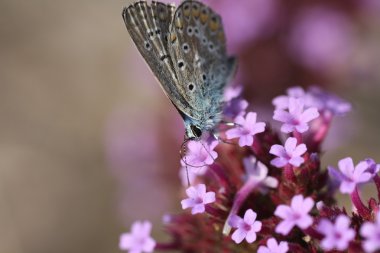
(89, 143)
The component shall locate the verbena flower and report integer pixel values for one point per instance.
(258, 172)
(297, 214)
(200, 153)
(138, 240)
(198, 198)
(246, 128)
(232, 92)
(246, 228)
(246, 179)
(296, 119)
(282, 102)
(371, 233)
(274, 247)
(337, 235)
(235, 107)
(290, 153)
(349, 175)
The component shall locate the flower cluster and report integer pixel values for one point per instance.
(260, 190)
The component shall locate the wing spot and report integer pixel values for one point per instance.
(181, 64)
(185, 48)
(147, 45)
(190, 31)
(191, 87)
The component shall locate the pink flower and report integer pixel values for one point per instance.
(282, 102)
(349, 175)
(338, 235)
(198, 198)
(258, 172)
(246, 129)
(246, 228)
(191, 173)
(235, 107)
(290, 153)
(371, 233)
(232, 92)
(139, 239)
(296, 119)
(297, 214)
(274, 247)
(200, 153)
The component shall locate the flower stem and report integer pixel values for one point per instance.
(289, 173)
(240, 197)
(376, 179)
(362, 209)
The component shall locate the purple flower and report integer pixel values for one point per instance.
(349, 175)
(338, 235)
(274, 247)
(232, 92)
(198, 198)
(246, 129)
(200, 153)
(246, 228)
(327, 102)
(235, 107)
(191, 172)
(296, 119)
(258, 172)
(297, 214)
(371, 233)
(139, 239)
(290, 153)
(282, 102)
(373, 168)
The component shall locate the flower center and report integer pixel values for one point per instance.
(198, 200)
(247, 227)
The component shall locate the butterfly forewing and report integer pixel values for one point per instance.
(148, 26)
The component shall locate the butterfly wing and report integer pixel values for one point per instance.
(197, 49)
(148, 26)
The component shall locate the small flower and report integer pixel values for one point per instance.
(327, 102)
(190, 173)
(198, 198)
(232, 92)
(371, 233)
(349, 175)
(336, 235)
(290, 153)
(246, 228)
(200, 153)
(373, 168)
(274, 247)
(246, 129)
(297, 214)
(258, 172)
(282, 102)
(235, 107)
(139, 239)
(297, 118)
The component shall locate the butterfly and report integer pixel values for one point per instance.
(185, 48)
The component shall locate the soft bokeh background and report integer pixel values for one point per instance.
(88, 142)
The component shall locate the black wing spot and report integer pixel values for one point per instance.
(191, 87)
(181, 64)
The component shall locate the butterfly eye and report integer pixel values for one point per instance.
(196, 131)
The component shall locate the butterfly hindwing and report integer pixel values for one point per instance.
(197, 48)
